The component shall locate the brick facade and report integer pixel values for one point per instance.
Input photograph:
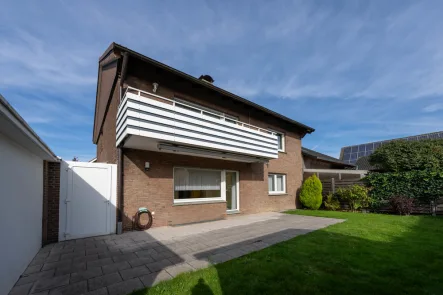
(51, 201)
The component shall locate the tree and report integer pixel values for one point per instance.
(402, 155)
(310, 194)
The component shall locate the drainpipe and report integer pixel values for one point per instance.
(120, 169)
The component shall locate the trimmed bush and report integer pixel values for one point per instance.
(310, 194)
(402, 204)
(331, 202)
(356, 196)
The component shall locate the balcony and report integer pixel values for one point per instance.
(151, 122)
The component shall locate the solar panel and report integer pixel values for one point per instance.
(351, 154)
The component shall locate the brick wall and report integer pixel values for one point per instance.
(154, 188)
(51, 199)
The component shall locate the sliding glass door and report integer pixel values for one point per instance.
(232, 198)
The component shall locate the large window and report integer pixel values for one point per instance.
(276, 184)
(191, 184)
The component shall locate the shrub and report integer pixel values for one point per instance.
(331, 202)
(402, 204)
(310, 194)
(356, 196)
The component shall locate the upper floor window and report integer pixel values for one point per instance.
(281, 142)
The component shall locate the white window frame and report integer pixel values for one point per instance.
(237, 176)
(275, 184)
(283, 141)
(222, 197)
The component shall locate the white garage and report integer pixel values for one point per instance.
(22, 156)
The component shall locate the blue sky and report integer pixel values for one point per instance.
(357, 71)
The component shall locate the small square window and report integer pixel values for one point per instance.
(277, 184)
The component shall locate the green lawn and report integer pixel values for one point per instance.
(367, 254)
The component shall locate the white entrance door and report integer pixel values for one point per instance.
(232, 192)
(87, 199)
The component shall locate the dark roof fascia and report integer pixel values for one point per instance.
(192, 79)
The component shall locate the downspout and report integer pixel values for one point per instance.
(120, 170)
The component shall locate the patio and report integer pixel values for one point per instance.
(119, 264)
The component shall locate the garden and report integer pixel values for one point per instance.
(408, 178)
(367, 254)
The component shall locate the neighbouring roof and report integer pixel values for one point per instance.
(16, 128)
(323, 157)
(192, 79)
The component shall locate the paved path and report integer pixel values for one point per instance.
(118, 264)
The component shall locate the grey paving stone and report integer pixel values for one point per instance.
(46, 292)
(219, 258)
(52, 265)
(97, 250)
(91, 272)
(62, 251)
(235, 253)
(72, 255)
(35, 276)
(198, 264)
(140, 261)
(100, 262)
(178, 269)
(109, 254)
(53, 258)
(72, 289)
(110, 268)
(101, 291)
(37, 261)
(50, 283)
(86, 258)
(33, 269)
(155, 278)
(134, 272)
(176, 259)
(21, 290)
(159, 265)
(146, 253)
(125, 287)
(124, 257)
(67, 269)
(103, 281)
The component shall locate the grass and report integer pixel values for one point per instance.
(366, 254)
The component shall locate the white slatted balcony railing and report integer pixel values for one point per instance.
(149, 121)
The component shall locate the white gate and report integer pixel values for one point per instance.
(87, 199)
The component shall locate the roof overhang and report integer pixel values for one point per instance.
(15, 127)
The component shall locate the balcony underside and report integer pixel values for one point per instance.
(155, 123)
(150, 144)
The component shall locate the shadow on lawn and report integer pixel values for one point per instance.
(403, 255)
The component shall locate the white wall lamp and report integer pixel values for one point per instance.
(154, 87)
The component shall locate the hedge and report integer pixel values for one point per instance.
(423, 186)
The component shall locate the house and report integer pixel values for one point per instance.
(353, 154)
(315, 160)
(188, 150)
(328, 168)
(24, 182)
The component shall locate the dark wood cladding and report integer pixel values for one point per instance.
(107, 78)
